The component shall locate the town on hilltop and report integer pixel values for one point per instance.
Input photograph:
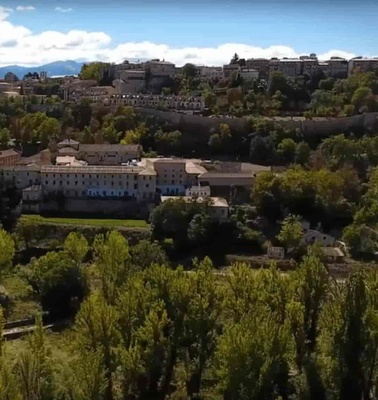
(125, 140)
(154, 83)
(190, 233)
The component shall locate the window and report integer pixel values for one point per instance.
(173, 182)
(135, 186)
(147, 185)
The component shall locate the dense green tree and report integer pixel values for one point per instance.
(60, 283)
(5, 136)
(146, 253)
(291, 234)
(113, 263)
(287, 150)
(76, 247)
(199, 229)
(7, 251)
(93, 70)
(34, 368)
(172, 218)
(96, 332)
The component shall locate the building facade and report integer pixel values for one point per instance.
(158, 101)
(9, 157)
(99, 182)
(97, 154)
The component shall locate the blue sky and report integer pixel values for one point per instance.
(198, 31)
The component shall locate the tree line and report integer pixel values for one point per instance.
(143, 330)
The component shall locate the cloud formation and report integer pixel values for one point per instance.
(25, 8)
(19, 45)
(63, 10)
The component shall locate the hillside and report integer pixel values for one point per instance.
(56, 68)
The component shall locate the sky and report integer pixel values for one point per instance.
(203, 32)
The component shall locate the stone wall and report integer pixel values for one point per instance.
(315, 127)
(98, 207)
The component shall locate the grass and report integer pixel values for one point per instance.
(23, 301)
(110, 223)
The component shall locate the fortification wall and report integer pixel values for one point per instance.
(104, 207)
(314, 127)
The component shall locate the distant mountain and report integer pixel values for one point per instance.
(57, 68)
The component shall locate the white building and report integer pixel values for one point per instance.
(198, 191)
(210, 73)
(99, 181)
(219, 208)
(31, 199)
(312, 236)
(249, 74)
(159, 101)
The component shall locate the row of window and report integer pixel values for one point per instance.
(97, 176)
(90, 183)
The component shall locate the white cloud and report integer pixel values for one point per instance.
(63, 10)
(4, 12)
(19, 45)
(25, 8)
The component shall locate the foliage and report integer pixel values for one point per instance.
(61, 283)
(144, 254)
(7, 251)
(291, 234)
(173, 219)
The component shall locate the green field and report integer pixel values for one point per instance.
(116, 223)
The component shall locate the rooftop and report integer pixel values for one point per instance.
(68, 150)
(34, 188)
(109, 147)
(192, 168)
(68, 142)
(91, 169)
(215, 201)
(8, 153)
(222, 175)
(332, 252)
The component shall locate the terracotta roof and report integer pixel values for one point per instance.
(68, 141)
(148, 172)
(68, 150)
(192, 168)
(8, 153)
(222, 175)
(332, 252)
(109, 147)
(90, 169)
(215, 201)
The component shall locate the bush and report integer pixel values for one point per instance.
(60, 282)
